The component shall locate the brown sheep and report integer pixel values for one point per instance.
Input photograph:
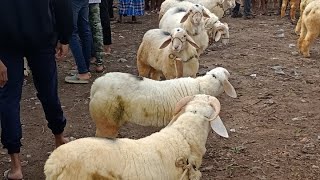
(310, 27)
(293, 6)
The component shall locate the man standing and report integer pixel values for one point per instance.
(31, 29)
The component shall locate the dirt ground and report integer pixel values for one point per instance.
(273, 124)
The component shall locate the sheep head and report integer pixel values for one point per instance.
(223, 75)
(178, 38)
(205, 105)
(196, 12)
(219, 31)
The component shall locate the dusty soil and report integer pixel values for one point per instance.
(274, 122)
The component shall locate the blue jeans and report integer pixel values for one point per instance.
(81, 33)
(247, 7)
(44, 72)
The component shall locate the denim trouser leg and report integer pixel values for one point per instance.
(44, 73)
(247, 7)
(81, 51)
(10, 96)
(236, 9)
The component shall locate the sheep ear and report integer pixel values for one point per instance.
(182, 103)
(218, 36)
(191, 41)
(205, 14)
(185, 17)
(229, 89)
(165, 43)
(218, 127)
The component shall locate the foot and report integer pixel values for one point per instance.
(60, 140)
(93, 60)
(99, 68)
(120, 20)
(78, 78)
(248, 17)
(12, 175)
(236, 15)
(107, 49)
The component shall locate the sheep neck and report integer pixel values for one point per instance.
(185, 55)
(195, 135)
(210, 85)
(192, 28)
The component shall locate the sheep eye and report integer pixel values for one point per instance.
(178, 30)
(214, 76)
(184, 36)
(197, 5)
(194, 167)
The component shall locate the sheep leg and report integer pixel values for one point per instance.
(303, 33)
(298, 26)
(254, 5)
(293, 7)
(283, 8)
(264, 7)
(154, 75)
(307, 41)
(143, 69)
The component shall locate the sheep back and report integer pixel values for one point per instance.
(117, 98)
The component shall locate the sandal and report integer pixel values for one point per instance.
(74, 79)
(73, 72)
(6, 174)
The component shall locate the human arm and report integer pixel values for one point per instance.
(3, 74)
(64, 26)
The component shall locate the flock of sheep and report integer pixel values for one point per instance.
(185, 105)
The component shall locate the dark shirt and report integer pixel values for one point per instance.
(32, 24)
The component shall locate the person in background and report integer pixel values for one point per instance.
(247, 13)
(131, 8)
(110, 9)
(97, 51)
(81, 42)
(106, 27)
(40, 31)
(236, 11)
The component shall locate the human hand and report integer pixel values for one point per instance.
(3, 74)
(61, 50)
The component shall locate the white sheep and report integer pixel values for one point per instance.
(117, 98)
(173, 55)
(218, 7)
(217, 32)
(191, 20)
(173, 153)
(222, 8)
(215, 29)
